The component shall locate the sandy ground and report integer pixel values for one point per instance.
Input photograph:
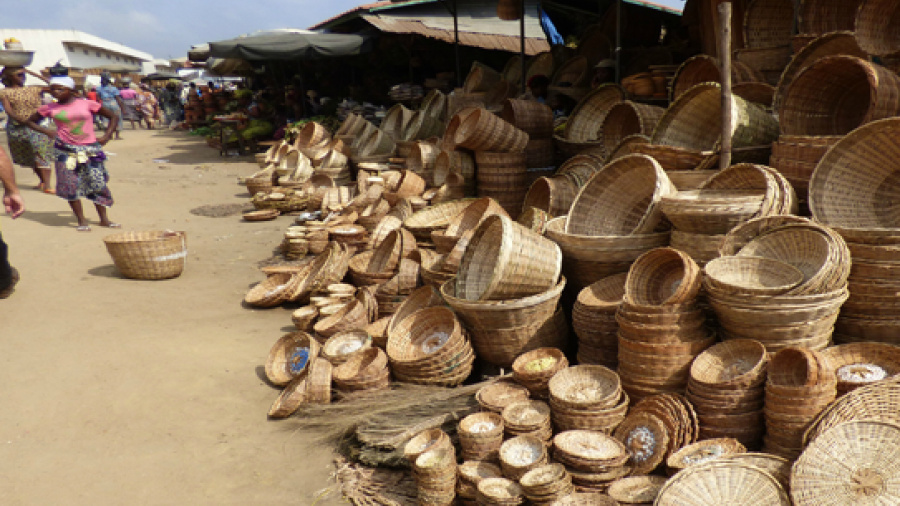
(115, 391)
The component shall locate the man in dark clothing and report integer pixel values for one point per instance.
(15, 206)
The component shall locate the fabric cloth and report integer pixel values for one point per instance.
(74, 120)
(148, 104)
(28, 147)
(81, 173)
(65, 81)
(23, 101)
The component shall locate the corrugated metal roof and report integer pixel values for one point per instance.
(509, 43)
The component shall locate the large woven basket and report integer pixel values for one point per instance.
(663, 276)
(703, 69)
(621, 199)
(148, 255)
(755, 275)
(874, 27)
(506, 260)
(768, 23)
(818, 17)
(585, 120)
(628, 118)
(552, 194)
(482, 130)
(694, 121)
(855, 178)
(530, 116)
(837, 94)
(723, 482)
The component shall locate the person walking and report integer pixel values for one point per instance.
(27, 147)
(149, 106)
(80, 168)
(130, 107)
(15, 206)
(111, 99)
(170, 103)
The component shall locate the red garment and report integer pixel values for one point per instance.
(92, 95)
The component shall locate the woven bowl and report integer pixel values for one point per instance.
(496, 396)
(751, 275)
(585, 387)
(858, 364)
(621, 199)
(734, 364)
(662, 277)
(427, 336)
(287, 358)
(538, 366)
(709, 211)
(342, 346)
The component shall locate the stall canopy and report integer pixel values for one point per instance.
(288, 45)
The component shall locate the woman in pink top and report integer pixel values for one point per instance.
(80, 169)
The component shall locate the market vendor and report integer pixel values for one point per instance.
(604, 72)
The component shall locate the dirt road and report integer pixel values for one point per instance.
(115, 391)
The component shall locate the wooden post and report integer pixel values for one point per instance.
(725, 72)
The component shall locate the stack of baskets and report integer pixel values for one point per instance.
(535, 119)
(345, 345)
(534, 369)
(661, 328)
(628, 118)
(592, 458)
(496, 396)
(704, 451)
(858, 364)
(528, 418)
(499, 492)
(430, 348)
(594, 321)
(471, 473)
(588, 397)
(503, 177)
(726, 388)
(702, 217)
(768, 26)
(521, 454)
(366, 370)
(546, 484)
(796, 157)
(613, 220)
(480, 436)
(758, 293)
(800, 385)
(850, 191)
(468, 219)
(435, 473)
(655, 429)
(582, 127)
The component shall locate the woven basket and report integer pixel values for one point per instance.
(535, 368)
(588, 115)
(759, 93)
(148, 255)
(552, 194)
(344, 345)
(480, 78)
(705, 69)
(736, 364)
(438, 217)
(858, 364)
(506, 260)
(711, 211)
(284, 363)
(702, 452)
(873, 27)
(662, 276)
(818, 100)
(768, 23)
(312, 134)
(869, 153)
(481, 130)
(747, 274)
(823, 16)
(574, 73)
(530, 116)
(472, 216)
(585, 387)
(422, 125)
(628, 118)
(448, 162)
(395, 121)
(510, 313)
(693, 121)
(621, 199)
(421, 160)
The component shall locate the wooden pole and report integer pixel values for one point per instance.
(725, 72)
(522, 45)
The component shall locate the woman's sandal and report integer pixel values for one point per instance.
(83, 228)
(112, 225)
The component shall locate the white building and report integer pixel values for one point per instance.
(79, 50)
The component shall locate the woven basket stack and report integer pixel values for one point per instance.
(587, 397)
(499, 492)
(800, 385)
(435, 471)
(656, 428)
(528, 418)
(365, 370)
(636, 489)
(429, 347)
(768, 26)
(521, 454)
(536, 120)
(702, 217)
(534, 369)
(703, 451)
(594, 321)
(546, 484)
(592, 459)
(471, 473)
(582, 128)
(756, 292)
(628, 118)
(859, 364)
(480, 437)
(855, 206)
(661, 328)
(613, 220)
(503, 177)
(465, 221)
(727, 388)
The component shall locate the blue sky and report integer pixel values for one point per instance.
(167, 28)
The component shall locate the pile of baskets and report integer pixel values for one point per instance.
(800, 385)
(435, 472)
(702, 217)
(655, 429)
(535, 119)
(594, 321)
(781, 281)
(726, 388)
(480, 437)
(855, 206)
(613, 220)
(592, 459)
(587, 397)
(471, 473)
(528, 418)
(535, 368)
(521, 454)
(555, 194)
(661, 327)
(429, 347)
(546, 484)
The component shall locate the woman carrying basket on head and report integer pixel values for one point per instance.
(80, 169)
(27, 147)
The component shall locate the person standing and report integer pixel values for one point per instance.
(111, 99)
(149, 106)
(170, 102)
(80, 168)
(27, 147)
(15, 206)
(130, 111)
